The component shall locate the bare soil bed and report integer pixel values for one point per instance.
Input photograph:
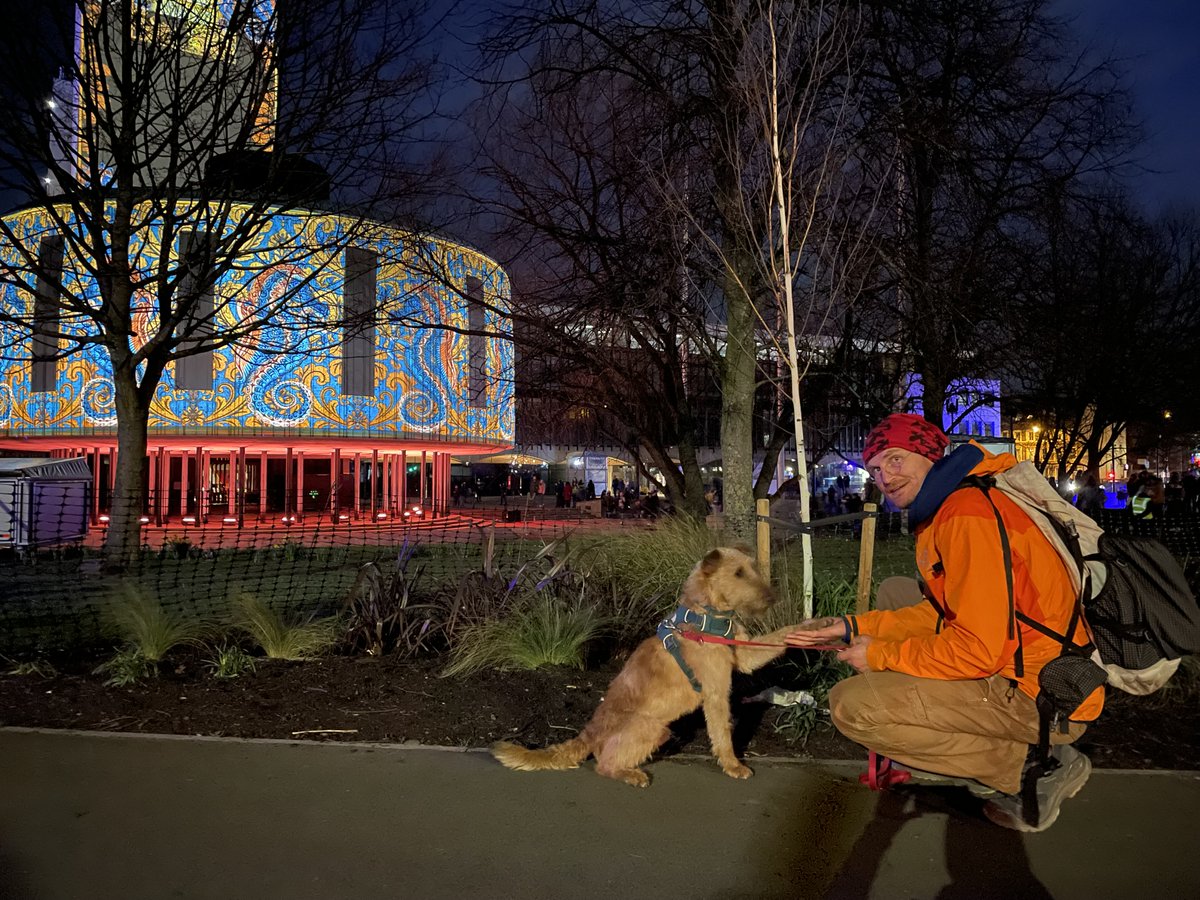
(397, 701)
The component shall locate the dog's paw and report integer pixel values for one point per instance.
(737, 771)
(636, 778)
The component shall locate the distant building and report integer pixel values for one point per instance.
(972, 406)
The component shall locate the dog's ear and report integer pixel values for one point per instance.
(711, 562)
(743, 547)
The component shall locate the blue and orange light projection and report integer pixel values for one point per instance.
(285, 378)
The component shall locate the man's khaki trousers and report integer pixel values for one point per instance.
(976, 728)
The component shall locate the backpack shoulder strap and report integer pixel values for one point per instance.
(985, 483)
(1047, 715)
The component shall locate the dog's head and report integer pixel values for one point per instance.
(727, 579)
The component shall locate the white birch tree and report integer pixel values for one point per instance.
(802, 201)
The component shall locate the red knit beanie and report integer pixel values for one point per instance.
(908, 432)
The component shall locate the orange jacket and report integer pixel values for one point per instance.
(959, 556)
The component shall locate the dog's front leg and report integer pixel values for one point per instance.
(748, 659)
(718, 720)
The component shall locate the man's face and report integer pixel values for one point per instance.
(899, 474)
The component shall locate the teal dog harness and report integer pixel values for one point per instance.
(710, 621)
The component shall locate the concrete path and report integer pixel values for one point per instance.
(96, 816)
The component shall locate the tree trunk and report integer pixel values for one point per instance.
(124, 536)
(737, 411)
(692, 501)
(933, 398)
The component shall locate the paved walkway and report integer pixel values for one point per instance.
(94, 816)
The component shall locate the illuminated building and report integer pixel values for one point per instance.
(304, 415)
(268, 428)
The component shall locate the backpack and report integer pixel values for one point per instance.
(1132, 595)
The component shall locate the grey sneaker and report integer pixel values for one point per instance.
(1041, 797)
(934, 779)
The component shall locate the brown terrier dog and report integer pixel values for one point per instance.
(655, 688)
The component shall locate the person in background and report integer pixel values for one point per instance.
(1145, 495)
(1174, 500)
(1090, 498)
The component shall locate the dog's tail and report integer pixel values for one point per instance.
(567, 755)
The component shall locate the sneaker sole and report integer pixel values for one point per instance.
(929, 779)
(1071, 785)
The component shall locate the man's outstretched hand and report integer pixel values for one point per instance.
(815, 632)
(828, 630)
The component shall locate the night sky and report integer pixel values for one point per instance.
(1158, 42)
(1158, 45)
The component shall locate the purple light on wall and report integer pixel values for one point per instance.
(980, 397)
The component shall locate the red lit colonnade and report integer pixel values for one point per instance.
(253, 484)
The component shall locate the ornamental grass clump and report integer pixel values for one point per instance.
(797, 723)
(831, 597)
(382, 614)
(541, 631)
(31, 668)
(651, 564)
(280, 639)
(142, 625)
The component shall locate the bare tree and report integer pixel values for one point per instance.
(156, 163)
(972, 111)
(693, 66)
(1108, 327)
(802, 204)
(603, 315)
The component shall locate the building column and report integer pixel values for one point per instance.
(443, 479)
(300, 485)
(356, 478)
(203, 480)
(232, 487)
(435, 486)
(241, 487)
(112, 476)
(161, 475)
(185, 506)
(422, 487)
(289, 497)
(95, 484)
(335, 483)
(262, 485)
(403, 480)
(374, 482)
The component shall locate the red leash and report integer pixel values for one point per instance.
(700, 637)
(880, 775)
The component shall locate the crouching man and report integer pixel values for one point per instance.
(948, 675)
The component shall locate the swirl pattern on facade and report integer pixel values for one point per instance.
(288, 373)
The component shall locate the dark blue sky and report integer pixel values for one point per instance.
(1159, 44)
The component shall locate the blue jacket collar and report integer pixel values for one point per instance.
(941, 481)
